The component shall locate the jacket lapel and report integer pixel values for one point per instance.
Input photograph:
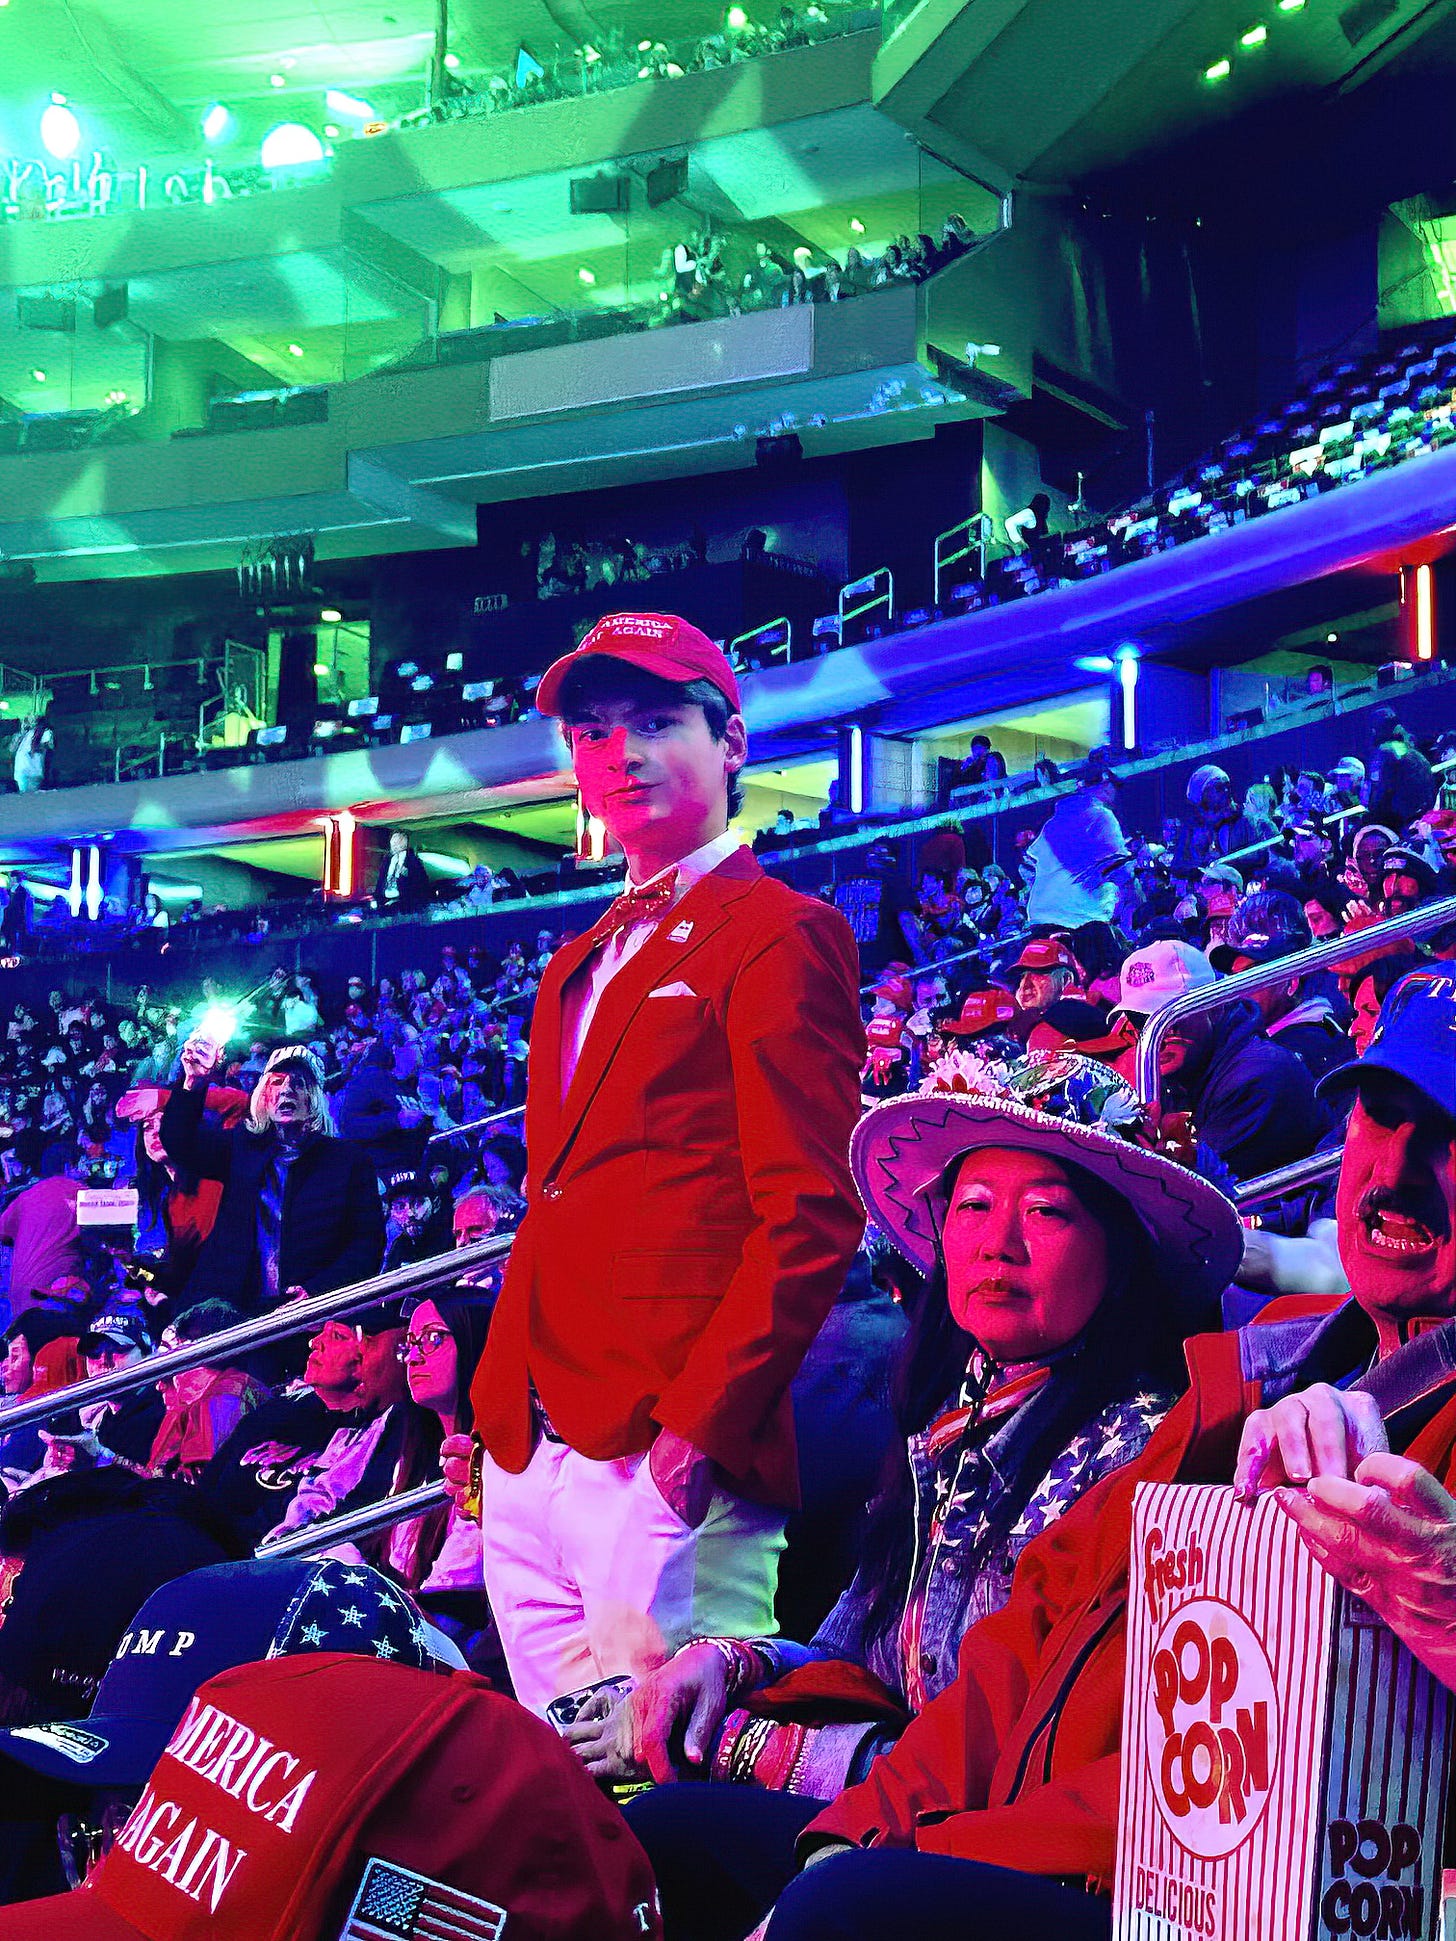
(543, 1089)
(706, 907)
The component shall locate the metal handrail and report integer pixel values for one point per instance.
(1287, 1179)
(768, 627)
(866, 584)
(477, 1125)
(324, 1532)
(1263, 977)
(981, 525)
(261, 1331)
(912, 971)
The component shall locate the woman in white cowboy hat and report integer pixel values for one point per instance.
(1064, 1262)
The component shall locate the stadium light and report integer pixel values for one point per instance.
(1291, 6)
(60, 132)
(452, 61)
(586, 276)
(331, 616)
(1220, 71)
(295, 350)
(348, 107)
(1127, 674)
(856, 227)
(1255, 37)
(290, 145)
(737, 19)
(217, 122)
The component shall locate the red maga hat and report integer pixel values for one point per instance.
(658, 643)
(982, 1011)
(1046, 954)
(309, 1798)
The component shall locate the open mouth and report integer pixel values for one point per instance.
(1397, 1234)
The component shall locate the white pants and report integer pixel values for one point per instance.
(590, 1575)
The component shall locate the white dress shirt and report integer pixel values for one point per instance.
(583, 992)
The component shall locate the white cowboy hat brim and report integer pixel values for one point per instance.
(900, 1152)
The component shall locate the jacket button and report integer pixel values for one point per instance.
(927, 1661)
(551, 1191)
(948, 1567)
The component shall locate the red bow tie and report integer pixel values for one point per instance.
(635, 906)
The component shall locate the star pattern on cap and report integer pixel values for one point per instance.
(351, 1607)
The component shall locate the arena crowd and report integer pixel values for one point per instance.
(741, 1489)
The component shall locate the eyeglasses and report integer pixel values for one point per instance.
(418, 1346)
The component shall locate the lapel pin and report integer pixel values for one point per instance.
(680, 932)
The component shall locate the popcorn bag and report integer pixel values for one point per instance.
(1284, 1755)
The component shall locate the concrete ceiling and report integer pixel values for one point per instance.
(1052, 91)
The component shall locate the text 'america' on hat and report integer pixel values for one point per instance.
(658, 643)
(330, 1798)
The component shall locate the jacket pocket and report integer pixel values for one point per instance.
(672, 1276)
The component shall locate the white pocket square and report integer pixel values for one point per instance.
(679, 989)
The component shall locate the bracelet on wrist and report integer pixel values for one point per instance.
(740, 1661)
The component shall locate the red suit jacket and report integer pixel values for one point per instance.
(690, 1209)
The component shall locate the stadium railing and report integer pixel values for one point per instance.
(262, 1331)
(347, 1525)
(1263, 977)
(472, 1126)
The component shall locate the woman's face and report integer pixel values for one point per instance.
(16, 1373)
(432, 1369)
(1025, 1262)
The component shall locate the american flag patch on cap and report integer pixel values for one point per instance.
(395, 1905)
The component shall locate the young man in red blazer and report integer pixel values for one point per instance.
(693, 1082)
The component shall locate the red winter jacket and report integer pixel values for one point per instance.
(1016, 1763)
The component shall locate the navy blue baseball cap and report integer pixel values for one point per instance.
(206, 1622)
(1415, 1040)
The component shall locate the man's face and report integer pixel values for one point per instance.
(1038, 989)
(1182, 1044)
(111, 1354)
(1309, 850)
(381, 1376)
(333, 1364)
(1399, 894)
(1366, 1007)
(652, 772)
(475, 1219)
(1396, 1203)
(1367, 853)
(409, 1212)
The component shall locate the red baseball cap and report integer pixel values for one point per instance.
(307, 1798)
(982, 1011)
(1045, 954)
(658, 643)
